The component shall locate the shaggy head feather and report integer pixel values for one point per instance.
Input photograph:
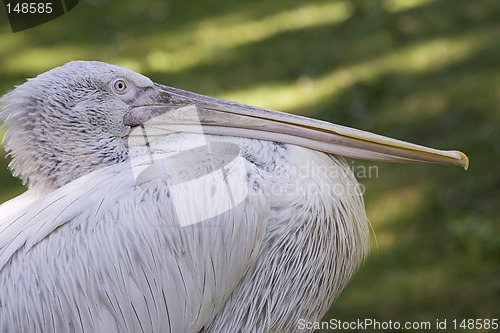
(68, 121)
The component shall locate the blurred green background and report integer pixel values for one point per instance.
(419, 70)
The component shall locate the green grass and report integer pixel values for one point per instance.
(423, 71)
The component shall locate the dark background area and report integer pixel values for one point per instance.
(419, 70)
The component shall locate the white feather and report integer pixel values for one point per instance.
(105, 248)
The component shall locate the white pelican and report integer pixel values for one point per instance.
(152, 209)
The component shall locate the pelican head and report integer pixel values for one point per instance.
(68, 121)
(76, 118)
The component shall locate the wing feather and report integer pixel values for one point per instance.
(108, 252)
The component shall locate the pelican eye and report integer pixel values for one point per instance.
(119, 86)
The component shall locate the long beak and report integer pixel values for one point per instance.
(220, 117)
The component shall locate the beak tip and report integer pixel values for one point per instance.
(463, 160)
